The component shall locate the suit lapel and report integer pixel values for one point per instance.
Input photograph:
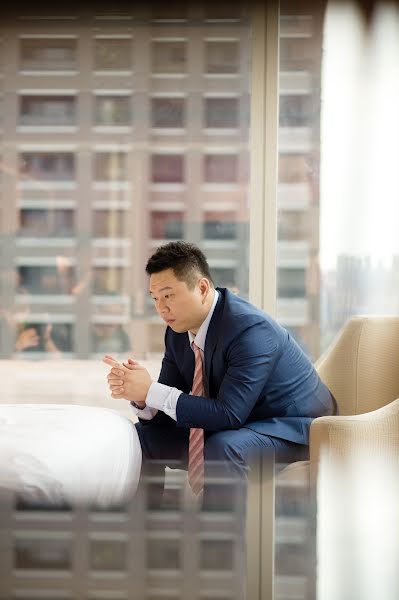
(212, 337)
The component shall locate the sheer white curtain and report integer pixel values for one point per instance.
(359, 251)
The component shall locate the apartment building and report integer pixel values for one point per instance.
(123, 130)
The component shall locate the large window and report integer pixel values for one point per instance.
(54, 110)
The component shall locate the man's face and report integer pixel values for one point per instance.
(183, 309)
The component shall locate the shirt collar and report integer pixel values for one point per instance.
(203, 330)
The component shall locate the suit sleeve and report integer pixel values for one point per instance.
(250, 358)
(171, 376)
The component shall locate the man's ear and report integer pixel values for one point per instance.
(204, 287)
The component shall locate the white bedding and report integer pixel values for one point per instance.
(66, 454)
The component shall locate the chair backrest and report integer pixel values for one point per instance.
(361, 367)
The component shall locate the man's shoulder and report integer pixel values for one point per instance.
(236, 306)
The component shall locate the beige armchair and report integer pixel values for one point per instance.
(361, 368)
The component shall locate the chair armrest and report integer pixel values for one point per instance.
(337, 437)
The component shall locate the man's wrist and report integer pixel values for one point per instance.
(140, 406)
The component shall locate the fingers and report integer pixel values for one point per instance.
(110, 360)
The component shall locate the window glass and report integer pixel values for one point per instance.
(48, 54)
(221, 112)
(167, 168)
(112, 54)
(46, 166)
(47, 110)
(169, 57)
(167, 225)
(112, 110)
(168, 112)
(222, 57)
(110, 166)
(45, 222)
(221, 168)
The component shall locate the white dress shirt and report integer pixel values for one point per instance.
(164, 397)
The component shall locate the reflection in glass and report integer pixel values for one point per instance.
(34, 336)
(47, 279)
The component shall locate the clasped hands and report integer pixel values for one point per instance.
(130, 381)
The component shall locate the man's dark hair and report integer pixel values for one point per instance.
(186, 260)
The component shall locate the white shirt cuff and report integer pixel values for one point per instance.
(146, 413)
(163, 397)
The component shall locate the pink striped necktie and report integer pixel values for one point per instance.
(196, 442)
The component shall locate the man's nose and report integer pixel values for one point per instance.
(163, 307)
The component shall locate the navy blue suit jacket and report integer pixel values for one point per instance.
(256, 376)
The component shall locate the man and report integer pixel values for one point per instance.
(233, 382)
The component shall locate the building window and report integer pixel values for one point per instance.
(46, 166)
(224, 276)
(222, 58)
(47, 110)
(112, 110)
(291, 283)
(216, 555)
(293, 168)
(110, 224)
(107, 555)
(221, 112)
(169, 57)
(296, 110)
(294, 225)
(167, 226)
(107, 338)
(163, 554)
(168, 112)
(167, 168)
(220, 226)
(46, 279)
(108, 280)
(48, 54)
(113, 54)
(42, 554)
(298, 54)
(39, 336)
(110, 166)
(221, 168)
(46, 222)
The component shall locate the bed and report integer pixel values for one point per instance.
(56, 455)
